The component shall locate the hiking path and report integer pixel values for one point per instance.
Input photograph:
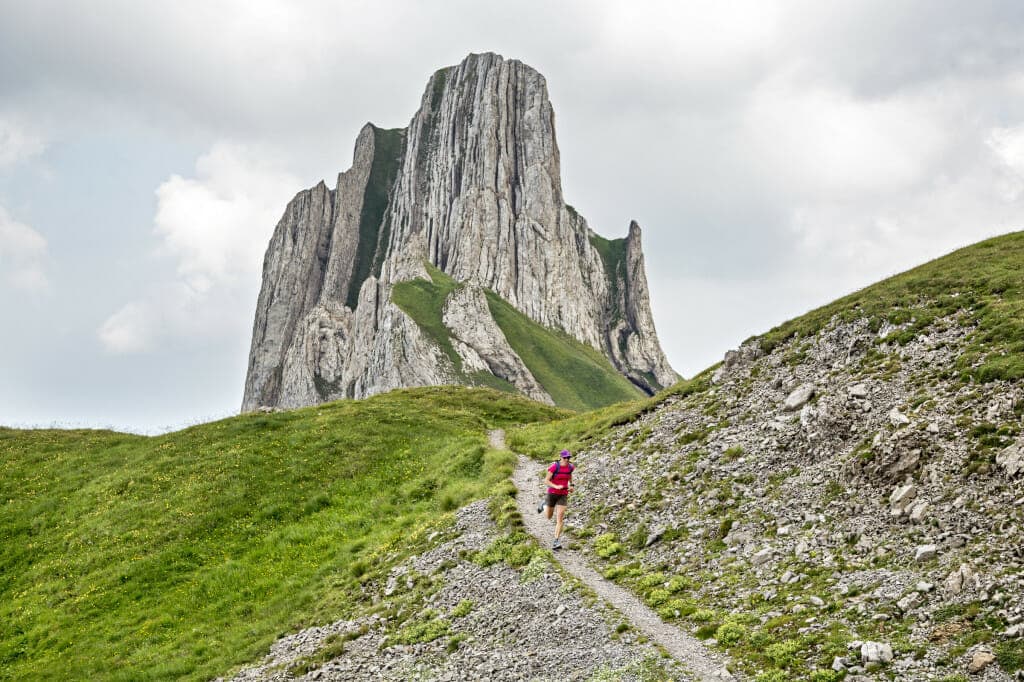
(685, 648)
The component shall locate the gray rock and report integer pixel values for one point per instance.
(897, 418)
(799, 397)
(859, 391)
(902, 496)
(1014, 630)
(979, 661)
(910, 601)
(482, 345)
(875, 652)
(655, 535)
(960, 579)
(925, 552)
(1011, 459)
(918, 511)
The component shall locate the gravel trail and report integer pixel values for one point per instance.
(686, 649)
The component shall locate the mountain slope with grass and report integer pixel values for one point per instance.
(567, 372)
(187, 554)
(841, 497)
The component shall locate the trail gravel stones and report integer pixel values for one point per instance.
(686, 649)
(515, 627)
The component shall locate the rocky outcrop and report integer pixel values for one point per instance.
(482, 345)
(473, 188)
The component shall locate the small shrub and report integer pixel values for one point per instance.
(679, 583)
(833, 490)
(825, 676)
(463, 608)
(1010, 655)
(638, 538)
(607, 546)
(614, 572)
(455, 641)
(702, 615)
(658, 597)
(730, 633)
(772, 676)
(706, 631)
(515, 549)
(536, 568)
(651, 580)
(422, 631)
(735, 452)
(783, 654)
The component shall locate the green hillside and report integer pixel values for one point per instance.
(576, 376)
(984, 282)
(183, 555)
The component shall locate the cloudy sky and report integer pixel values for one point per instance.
(777, 155)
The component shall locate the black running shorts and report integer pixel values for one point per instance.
(556, 500)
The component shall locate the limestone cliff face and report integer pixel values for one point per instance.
(473, 188)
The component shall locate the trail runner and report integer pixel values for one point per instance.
(559, 481)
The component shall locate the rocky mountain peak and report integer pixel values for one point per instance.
(469, 194)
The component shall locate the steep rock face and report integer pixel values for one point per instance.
(483, 346)
(473, 188)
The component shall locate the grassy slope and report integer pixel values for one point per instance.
(373, 231)
(576, 376)
(423, 301)
(126, 557)
(986, 280)
(613, 256)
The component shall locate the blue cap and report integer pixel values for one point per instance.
(566, 454)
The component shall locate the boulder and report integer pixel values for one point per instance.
(799, 397)
(1011, 459)
(859, 391)
(655, 535)
(762, 556)
(902, 496)
(875, 652)
(897, 418)
(979, 661)
(918, 510)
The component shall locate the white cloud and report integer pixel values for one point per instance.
(132, 329)
(1008, 146)
(172, 314)
(824, 143)
(218, 223)
(17, 142)
(23, 255)
(216, 226)
(699, 40)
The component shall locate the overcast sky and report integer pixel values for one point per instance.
(777, 155)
